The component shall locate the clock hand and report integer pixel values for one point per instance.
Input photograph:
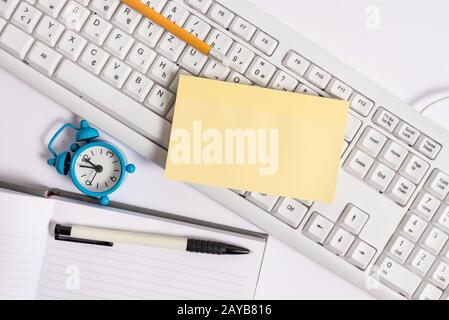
(90, 162)
(94, 168)
(92, 180)
(97, 168)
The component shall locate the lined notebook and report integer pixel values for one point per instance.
(35, 266)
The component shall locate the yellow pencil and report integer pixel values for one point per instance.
(176, 30)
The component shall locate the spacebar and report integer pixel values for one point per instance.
(113, 102)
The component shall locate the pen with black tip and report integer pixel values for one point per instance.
(107, 237)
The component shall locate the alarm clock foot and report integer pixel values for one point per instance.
(104, 200)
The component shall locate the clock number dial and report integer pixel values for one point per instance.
(98, 169)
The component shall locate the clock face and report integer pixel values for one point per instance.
(97, 169)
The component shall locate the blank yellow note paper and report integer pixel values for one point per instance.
(255, 139)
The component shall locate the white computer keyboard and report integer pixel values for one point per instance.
(387, 229)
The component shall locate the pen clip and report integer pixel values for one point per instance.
(86, 241)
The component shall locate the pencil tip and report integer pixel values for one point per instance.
(236, 250)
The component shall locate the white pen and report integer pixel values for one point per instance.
(107, 237)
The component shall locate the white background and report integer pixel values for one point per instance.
(407, 54)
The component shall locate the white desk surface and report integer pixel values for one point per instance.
(407, 55)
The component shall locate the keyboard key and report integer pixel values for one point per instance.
(344, 147)
(352, 127)
(171, 113)
(421, 261)
(141, 57)
(149, 32)
(428, 147)
(49, 31)
(393, 155)
(358, 163)
(339, 90)
(126, 18)
(318, 228)
(340, 241)
(264, 42)
(413, 227)
(302, 88)
(7, 8)
(200, 5)
(307, 203)
(51, 7)
(386, 120)
(193, 60)
(260, 72)
(170, 46)
(443, 219)
(74, 16)
(104, 8)
(138, 86)
(15, 41)
(397, 277)
(296, 63)
(361, 104)
(401, 190)
(197, 27)
(174, 84)
(380, 176)
(71, 45)
(43, 58)
(113, 102)
(354, 219)
(438, 184)
(26, 17)
(241, 57)
(236, 77)
(94, 58)
(414, 168)
(361, 254)
(116, 72)
(440, 275)
(407, 133)
(220, 15)
(219, 41)
(215, 70)
(242, 29)
(290, 211)
(159, 100)
(426, 205)
(262, 200)
(239, 192)
(434, 240)
(97, 29)
(318, 77)
(156, 5)
(175, 13)
(400, 249)
(284, 82)
(163, 71)
(372, 142)
(429, 292)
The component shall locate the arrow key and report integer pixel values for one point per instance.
(354, 219)
(318, 228)
(361, 254)
(339, 242)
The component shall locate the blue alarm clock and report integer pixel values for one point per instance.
(96, 168)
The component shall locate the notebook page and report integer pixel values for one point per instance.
(82, 271)
(23, 233)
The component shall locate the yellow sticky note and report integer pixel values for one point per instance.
(255, 139)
